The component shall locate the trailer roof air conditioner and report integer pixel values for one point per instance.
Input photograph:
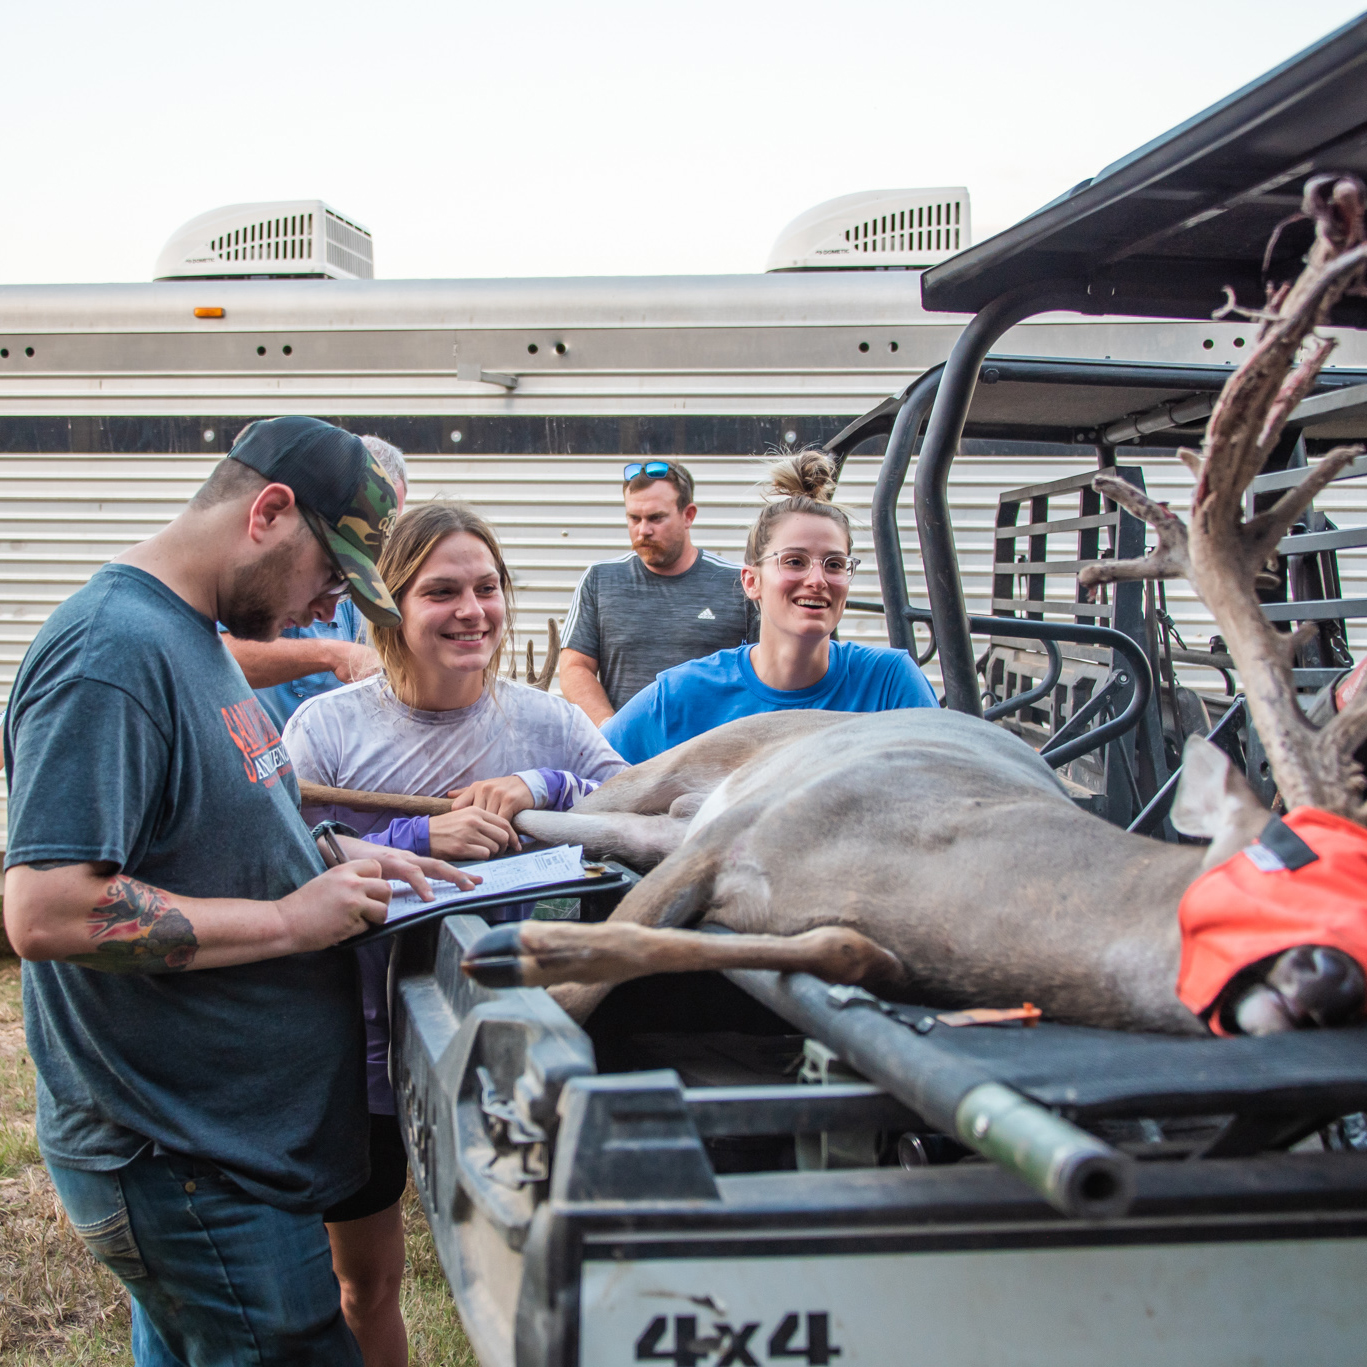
(876, 230)
(282, 239)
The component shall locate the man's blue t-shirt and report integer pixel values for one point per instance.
(691, 698)
(282, 701)
(132, 739)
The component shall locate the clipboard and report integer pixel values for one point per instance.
(617, 878)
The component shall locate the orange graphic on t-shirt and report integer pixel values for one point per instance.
(253, 732)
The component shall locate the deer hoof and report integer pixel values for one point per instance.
(1305, 987)
(496, 959)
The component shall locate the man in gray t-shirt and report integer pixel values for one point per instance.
(664, 602)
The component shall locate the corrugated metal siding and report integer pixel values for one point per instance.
(61, 516)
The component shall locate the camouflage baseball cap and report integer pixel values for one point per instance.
(343, 492)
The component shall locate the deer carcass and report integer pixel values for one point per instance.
(935, 857)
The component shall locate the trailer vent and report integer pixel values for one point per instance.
(878, 229)
(349, 247)
(290, 239)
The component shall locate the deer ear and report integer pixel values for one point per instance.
(1214, 800)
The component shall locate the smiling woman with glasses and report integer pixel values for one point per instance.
(798, 569)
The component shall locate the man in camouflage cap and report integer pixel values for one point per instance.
(303, 662)
(345, 496)
(197, 1123)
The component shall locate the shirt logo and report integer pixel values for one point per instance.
(263, 756)
(707, 615)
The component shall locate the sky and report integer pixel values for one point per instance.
(527, 138)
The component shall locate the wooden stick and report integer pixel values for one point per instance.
(319, 795)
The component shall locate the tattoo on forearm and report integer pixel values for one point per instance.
(136, 930)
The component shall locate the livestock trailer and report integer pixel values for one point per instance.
(758, 1168)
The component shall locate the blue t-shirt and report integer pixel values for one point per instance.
(282, 701)
(691, 698)
(133, 739)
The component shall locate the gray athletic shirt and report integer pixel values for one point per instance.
(636, 623)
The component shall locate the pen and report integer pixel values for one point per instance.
(335, 848)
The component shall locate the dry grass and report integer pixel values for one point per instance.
(58, 1305)
(436, 1337)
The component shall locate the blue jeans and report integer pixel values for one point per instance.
(217, 1277)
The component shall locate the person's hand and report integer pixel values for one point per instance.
(470, 833)
(504, 797)
(405, 866)
(355, 662)
(334, 906)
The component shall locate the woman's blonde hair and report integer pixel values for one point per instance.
(803, 483)
(415, 536)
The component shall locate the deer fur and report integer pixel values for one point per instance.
(938, 837)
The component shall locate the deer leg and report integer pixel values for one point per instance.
(685, 806)
(676, 894)
(1311, 985)
(544, 953)
(640, 841)
(708, 876)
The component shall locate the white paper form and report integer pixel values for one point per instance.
(540, 869)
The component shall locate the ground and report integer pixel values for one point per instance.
(58, 1305)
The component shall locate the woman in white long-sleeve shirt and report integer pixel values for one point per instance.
(437, 721)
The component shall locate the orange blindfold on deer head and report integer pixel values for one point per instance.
(1303, 882)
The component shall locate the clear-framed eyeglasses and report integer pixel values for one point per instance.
(798, 564)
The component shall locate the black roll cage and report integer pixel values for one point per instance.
(910, 417)
(1164, 232)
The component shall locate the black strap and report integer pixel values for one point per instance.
(339, 827)
(1278, 837)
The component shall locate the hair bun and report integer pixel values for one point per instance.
(811, 473)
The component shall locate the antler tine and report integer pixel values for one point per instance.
(1225, 552)
(1289, 642)
(1294, 388)
(543, 679)
(1193, 460)
(1221, 554)
(1260, 396)
(1338, 744)
(1168, 560)
(1264, 531)
(1243, 413)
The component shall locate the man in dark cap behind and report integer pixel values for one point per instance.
(201, 1096)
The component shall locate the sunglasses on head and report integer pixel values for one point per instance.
(651, 469)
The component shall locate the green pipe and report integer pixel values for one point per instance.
(1073, 1170)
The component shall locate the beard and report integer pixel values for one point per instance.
(253, 603)
(659, 554)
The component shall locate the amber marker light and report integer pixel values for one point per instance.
(208, 313)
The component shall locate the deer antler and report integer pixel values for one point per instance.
(543, 679)
(1221, 553)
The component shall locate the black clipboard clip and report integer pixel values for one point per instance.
(614, 878)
